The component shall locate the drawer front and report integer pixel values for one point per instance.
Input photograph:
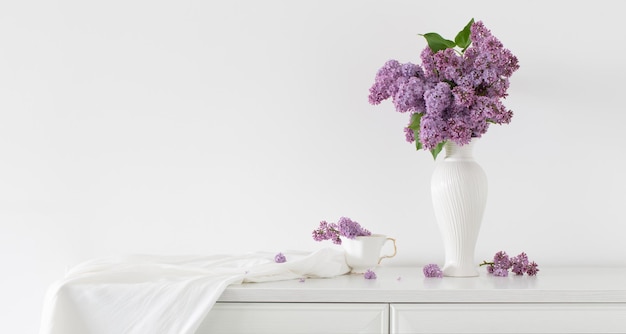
(508, 318)
(296, 318)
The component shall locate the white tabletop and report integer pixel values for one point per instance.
(408, 285)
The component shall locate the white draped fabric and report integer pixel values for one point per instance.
(165, 294)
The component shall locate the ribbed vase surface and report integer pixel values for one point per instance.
(459, 195)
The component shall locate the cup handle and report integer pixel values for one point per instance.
(395, 250)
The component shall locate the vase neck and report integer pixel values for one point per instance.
(458, 152)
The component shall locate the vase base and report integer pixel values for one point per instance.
(456, 271)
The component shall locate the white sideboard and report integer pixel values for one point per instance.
(402, 300)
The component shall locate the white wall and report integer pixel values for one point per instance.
(198, 127)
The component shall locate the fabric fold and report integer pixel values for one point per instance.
(165, 294)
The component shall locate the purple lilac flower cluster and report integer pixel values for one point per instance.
(432, 270)
(280, 258)
(369, 274)
(345, 227)
(454, 95)
(519, 265)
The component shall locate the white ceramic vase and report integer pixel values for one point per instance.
(459, 195)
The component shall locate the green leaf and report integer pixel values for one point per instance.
(418, 144)
(415, 126)
(415, 121)
(436, 42)
(462, 39)
(435, 151)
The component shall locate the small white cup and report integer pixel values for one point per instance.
(363, 253)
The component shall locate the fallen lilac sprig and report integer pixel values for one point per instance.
(519, 265)
(432, 270)
(280, 258)
(369, 274)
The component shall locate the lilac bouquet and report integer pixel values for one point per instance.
(345, 227)
(456, 93)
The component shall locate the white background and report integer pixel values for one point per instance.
(189, 127)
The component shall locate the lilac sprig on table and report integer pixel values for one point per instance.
(432, 270)
(519, 265)
(369, 275)
(280, 258)
(455, 94)
(345, 227)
